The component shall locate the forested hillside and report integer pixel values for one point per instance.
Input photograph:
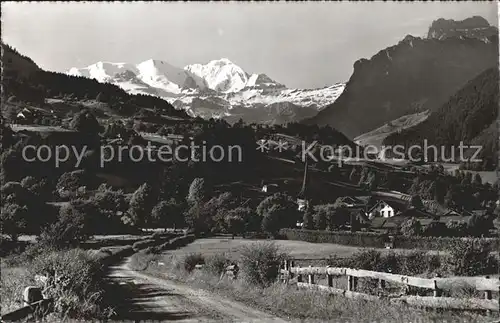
(469, 117)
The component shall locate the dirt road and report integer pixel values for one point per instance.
(142, 297)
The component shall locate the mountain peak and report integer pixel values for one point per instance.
(472, 27)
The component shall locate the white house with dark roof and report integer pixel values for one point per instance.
(383, 209)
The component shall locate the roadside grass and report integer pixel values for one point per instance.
(289, 302)
(14, 280)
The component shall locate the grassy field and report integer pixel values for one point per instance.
(312, 252)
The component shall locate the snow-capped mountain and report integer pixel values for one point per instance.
(219, 89)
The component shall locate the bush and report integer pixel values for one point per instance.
(193, 259)
(377, 240)
(260, 263)
(68, 231)
(471, 258)
(77, 289)
(411, 227)
(217, 264)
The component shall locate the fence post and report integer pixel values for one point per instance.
(354, 283)
(349, 283)
(285, 267)
(487, 294)
(437, 292)
(381, 283)
(311, 277)
(290, 274)
(329, 277)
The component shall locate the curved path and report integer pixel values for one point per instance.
(143, 297)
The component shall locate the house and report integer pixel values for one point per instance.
(25, 116)
(270, 188)
(384, 208)
(303, 204)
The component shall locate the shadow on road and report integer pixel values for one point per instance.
(134, 301)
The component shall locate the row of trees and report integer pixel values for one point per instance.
(476, 226)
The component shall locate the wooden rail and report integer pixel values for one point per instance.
(437, 285)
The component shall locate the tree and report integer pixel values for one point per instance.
(320, 220)
(251, 221)
(235, 224)
(70, 229)
(110, 201)
(197, 191)
(141, 204)
(210, 216)
(71, 181)
(479, 225)
(308, 220)
(363, 176)
(85, 122)
(99, 97)
(353, 176)
(167, 214)
(416, 202)
(411, 227)
(372, 181)
(13, 218)
(278, 211)
(477, 180)
(456, 228)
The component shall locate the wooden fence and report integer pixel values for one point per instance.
(305, 278)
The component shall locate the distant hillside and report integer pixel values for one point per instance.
(25, 81)
(376, 137)
(469, 116)
(413, 76)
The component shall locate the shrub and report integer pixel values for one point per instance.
(216, 264)
(411, 227)
(193, 259)
(456, 228)
(470, 258)
(77, 289)
(197, 191)
(377, 240)
(278, 211)
(68, 231)
(260, 263)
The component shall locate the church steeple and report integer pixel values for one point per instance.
(303, 191)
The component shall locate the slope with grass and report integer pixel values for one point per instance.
(376, 137)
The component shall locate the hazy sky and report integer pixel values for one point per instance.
(299, 44)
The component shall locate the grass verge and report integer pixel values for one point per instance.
(289, 302)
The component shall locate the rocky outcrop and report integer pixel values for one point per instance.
(474, 27)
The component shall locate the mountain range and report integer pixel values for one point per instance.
(218, 89)
(413, 76)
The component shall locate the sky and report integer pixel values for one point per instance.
(299, 44)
